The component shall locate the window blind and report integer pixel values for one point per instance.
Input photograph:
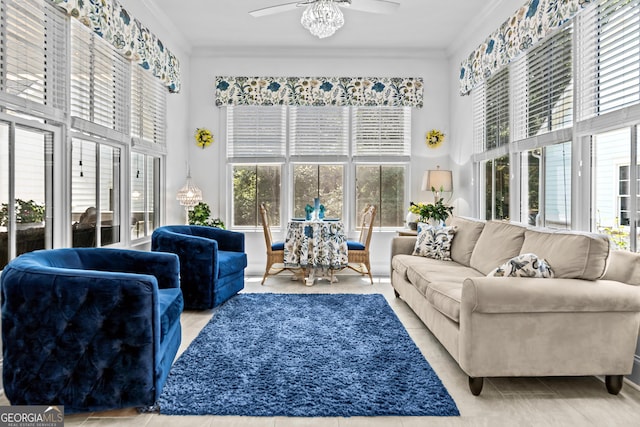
(544, 102)
(256, 131)
(381, 131)
(609, 50)
(319, 131)
(32, 55)
(98, 94)
(497, 110)
(148, 108)
(479, 124)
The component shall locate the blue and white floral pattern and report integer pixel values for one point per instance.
(127, 35)
(524, 265)
(320, 91)
(534, 21)
(316, 244)
(434, 242)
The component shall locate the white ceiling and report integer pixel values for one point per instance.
(417, 24)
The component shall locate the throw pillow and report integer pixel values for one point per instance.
(434, 242)
(524, 265)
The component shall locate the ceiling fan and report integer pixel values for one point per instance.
(323, 17)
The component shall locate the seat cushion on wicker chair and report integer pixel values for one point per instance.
(354, 245)
(277, 246)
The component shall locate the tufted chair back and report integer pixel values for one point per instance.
(89, 328)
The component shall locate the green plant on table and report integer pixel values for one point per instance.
(437, 211)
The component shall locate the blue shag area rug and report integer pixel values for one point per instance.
(336, 355)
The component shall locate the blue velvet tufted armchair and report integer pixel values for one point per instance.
(212, 262)
(89, 328)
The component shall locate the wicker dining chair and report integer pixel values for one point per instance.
(359, 249)
(275, 250)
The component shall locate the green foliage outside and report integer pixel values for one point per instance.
(201, 215)
(26, 212)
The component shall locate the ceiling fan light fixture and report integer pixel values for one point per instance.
(322, 18)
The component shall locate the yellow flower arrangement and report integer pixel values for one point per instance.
(204, 137)
(434, 138)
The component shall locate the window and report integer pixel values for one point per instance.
(314, 147)
(624, 199)
(497, 110)
(26, 215)
(145, 186)
(497, 188)
(252, 185)
(323, 181)
(95, 189)
(614, 185)
(148, 109)
(382, 186)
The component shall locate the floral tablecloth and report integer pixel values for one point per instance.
(316, 244)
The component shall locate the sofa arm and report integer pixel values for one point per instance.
(64, 329)
(231, 241)
(531, 295)
(403, 245)
(165, 267)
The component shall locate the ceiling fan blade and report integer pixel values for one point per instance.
(374, 6)
(274, 9)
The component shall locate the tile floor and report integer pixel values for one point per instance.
(571, 401)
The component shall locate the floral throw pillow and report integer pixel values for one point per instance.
(524, 265)
(434, 242)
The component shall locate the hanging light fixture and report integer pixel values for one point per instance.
(322, 18)
(189, 195)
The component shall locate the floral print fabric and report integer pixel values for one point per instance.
(524, 265)
(534, 21)
(434, 242)
(320, 91)
(127, 35)
(316, 244)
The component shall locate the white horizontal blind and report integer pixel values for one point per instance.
(545, 97)
(381, 131)
(609, 57)
(148, 107)
(98, 94)
(319, 131)
(32, 58)
(497, 110)
(479, 114)
(256, 131)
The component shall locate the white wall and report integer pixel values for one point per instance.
(208, 164)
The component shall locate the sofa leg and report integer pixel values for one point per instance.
(613, 383)
(396, 293)
(475, 385)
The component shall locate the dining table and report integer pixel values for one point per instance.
(316, 247)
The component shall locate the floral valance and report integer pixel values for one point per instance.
(127, 35)
(320, 91)
(534, 21)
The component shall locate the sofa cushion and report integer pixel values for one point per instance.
(498, 242)
(231, 262)
(624, 267)
(571, 254)
(170, 305)
(445, 297)
(434, 242)
(524, 265)
(422, 274)
(467, 234)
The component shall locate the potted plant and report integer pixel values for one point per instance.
(436, 213)
(201, 215)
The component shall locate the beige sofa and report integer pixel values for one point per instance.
(584, 321)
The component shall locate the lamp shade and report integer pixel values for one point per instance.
(437, 180)
(189, 195)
